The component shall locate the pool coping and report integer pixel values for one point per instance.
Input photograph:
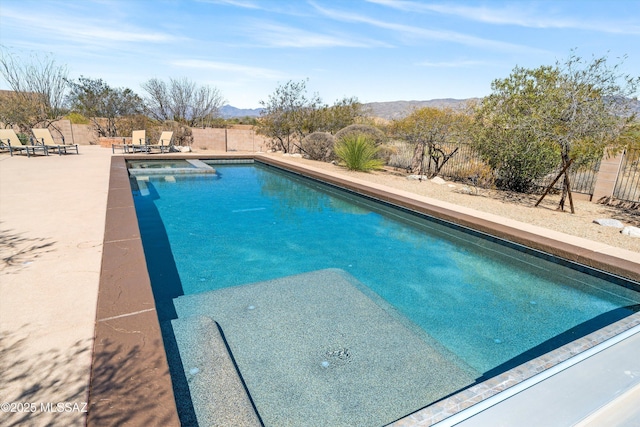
(129, 357)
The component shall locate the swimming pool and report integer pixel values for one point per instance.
(447, 289)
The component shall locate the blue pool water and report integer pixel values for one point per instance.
(486, 303)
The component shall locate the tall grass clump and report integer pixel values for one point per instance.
(358, 153)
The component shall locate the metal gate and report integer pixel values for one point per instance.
(628, 181)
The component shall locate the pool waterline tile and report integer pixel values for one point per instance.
(436, 412)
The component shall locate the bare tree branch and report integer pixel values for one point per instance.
(39, 86)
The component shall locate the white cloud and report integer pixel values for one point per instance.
(254, 72)
(115, 35)
(284, 36)
(518, 14)
(236, 3)
(78, 30)
(423, 33)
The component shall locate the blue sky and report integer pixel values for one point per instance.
(375, 50)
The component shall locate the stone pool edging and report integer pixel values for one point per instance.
(130, 381)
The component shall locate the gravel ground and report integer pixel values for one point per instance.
(519, 207)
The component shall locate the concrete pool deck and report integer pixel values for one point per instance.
(52, 213)
(52, 217)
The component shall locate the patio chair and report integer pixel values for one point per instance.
(165, 143)
(138, 143)
(122, 146)
(44, 138)
(8, 137)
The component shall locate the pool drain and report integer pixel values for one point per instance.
(336, 357)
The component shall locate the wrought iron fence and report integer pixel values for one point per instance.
(628, 181)
(466, 166)
(582, 179)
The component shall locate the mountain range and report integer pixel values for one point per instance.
(399, 109)
(385, 110)
(229, 112)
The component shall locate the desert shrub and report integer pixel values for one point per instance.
(78, 119)
(23, 138)
(182, 134)
(519, 166)
(128, 124)
(401, 155)
(518, 158)
(373, 134)
(385, 151)
(357, 152)
(476, 173)
(319, 146)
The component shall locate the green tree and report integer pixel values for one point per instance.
(77, 118)
(584, 111)
(344, 112)
(630, 137)
(503, 134)
(435, 134)
(290, 115)
(39, 88)
(578, 108)
(102, 104)
(287, 115)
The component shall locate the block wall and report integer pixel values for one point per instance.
(73, 133)
(238, 138)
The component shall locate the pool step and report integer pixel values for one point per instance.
(196, 167)
(218, 395)
(315, 349)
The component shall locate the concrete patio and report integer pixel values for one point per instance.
(52, 214)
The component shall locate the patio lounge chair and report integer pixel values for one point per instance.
(138, 142)
(9, 137)
(123, 146)
(165, 144)
(44, 138)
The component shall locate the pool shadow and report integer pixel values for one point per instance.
(166, 285)
(583, 329)
(181, 391)
(165, 280)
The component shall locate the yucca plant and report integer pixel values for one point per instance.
(358, 153)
